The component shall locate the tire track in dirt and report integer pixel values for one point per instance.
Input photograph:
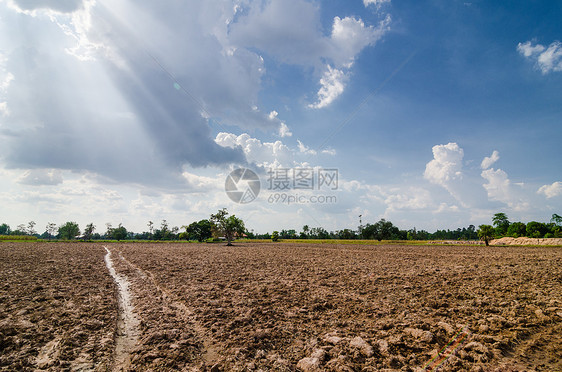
(536, 347)
(210, 353)
(127, 323)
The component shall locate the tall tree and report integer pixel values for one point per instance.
(381, 230)
(89, 231)
(517, 229)
(119, 233)
(21, 230)
(305, 231)
(51, 229)
(556, 219)
(199, 230)
(501, 223)
(150, 225)
(319, 233)
(537, 229)
(164, 233)
(108, 230)
(5, 229)
(31, 228)
(69, 231)
(486, 233)
(228, 227)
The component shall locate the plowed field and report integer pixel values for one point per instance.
(282, 307)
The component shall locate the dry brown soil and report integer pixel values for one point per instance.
(283, 306)
(58, 307)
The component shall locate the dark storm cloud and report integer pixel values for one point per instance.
(122, 118)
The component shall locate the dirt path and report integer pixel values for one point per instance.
(156, 330)
(127, 324)
(208, 351)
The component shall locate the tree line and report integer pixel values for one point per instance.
(222, 226)
(219, 225)
(502, 227)
(381, 230)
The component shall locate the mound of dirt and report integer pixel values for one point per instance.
(526, 241)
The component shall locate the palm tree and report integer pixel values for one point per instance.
(485, 232)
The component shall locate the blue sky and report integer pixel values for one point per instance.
(436, 114)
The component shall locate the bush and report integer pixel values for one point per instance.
(17, 237)
(275, 236)
(517, 229)
(536, 229)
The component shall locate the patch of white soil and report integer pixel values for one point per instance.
(127, 323)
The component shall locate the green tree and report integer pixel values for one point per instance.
(346, 234)
(164, 233)
(229, 227)
(319, 233)
(119, 233)
(31, 228)
(501, 223)
(5, 229)
(486, 233)
(536, 229)
(108, 230)
(288, 234)
(20, 230)
(51, 229)
(381, 230)
(69, 231)
(368, 232)
(275, 236)
(304, 233)
(150, 227)
(517, 229)
(199, 231)
(556, 219)
(89, 231)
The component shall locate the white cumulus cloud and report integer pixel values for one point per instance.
(305, 149)
(550, 191)
(446, 164)
(284, 131)
(489, 160)
(500, 188)
(547, 59)
(270, 154)
(291, 31)
(375, 2)
(528, 50)
(332, 86)
(446, 170)
(265, 154)
(350, 36)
